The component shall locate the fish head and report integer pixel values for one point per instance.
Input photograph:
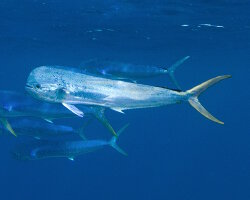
(24, 153)
(43, 84)
(19, 155)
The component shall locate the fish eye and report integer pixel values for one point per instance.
(38, 86)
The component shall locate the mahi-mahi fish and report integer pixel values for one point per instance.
(69, 149)
(40, 129)
(14, 104)
(70, 87)
(130, 71)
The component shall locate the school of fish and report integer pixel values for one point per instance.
(58, 92)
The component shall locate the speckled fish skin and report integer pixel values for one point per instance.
(70, 86)
(38, 128)
(67, 85)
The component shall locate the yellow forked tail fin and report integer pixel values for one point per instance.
(195, 92)
(7, 125)
(114, 139)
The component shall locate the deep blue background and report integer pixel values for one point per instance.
(174, 152)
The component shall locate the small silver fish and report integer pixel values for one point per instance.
(71, 87)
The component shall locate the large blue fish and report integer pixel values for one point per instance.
(39, 128)
(129, 71)
(69, 149)
(71, 87)
(13, 104)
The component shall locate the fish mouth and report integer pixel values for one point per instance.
(29, 87)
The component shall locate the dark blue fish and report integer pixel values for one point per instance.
(41, 149)
(39, 129)
(13, 104)
(129, 71)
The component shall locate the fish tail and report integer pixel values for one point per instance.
(114, 140)
(172, 68)
(195, 92)
(7, 125)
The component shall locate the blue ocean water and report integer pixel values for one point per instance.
(174, 152)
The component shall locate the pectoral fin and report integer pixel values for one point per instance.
(73, 109)
(48, 120)
(71, 159)
(7, 125)
(118, 110)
